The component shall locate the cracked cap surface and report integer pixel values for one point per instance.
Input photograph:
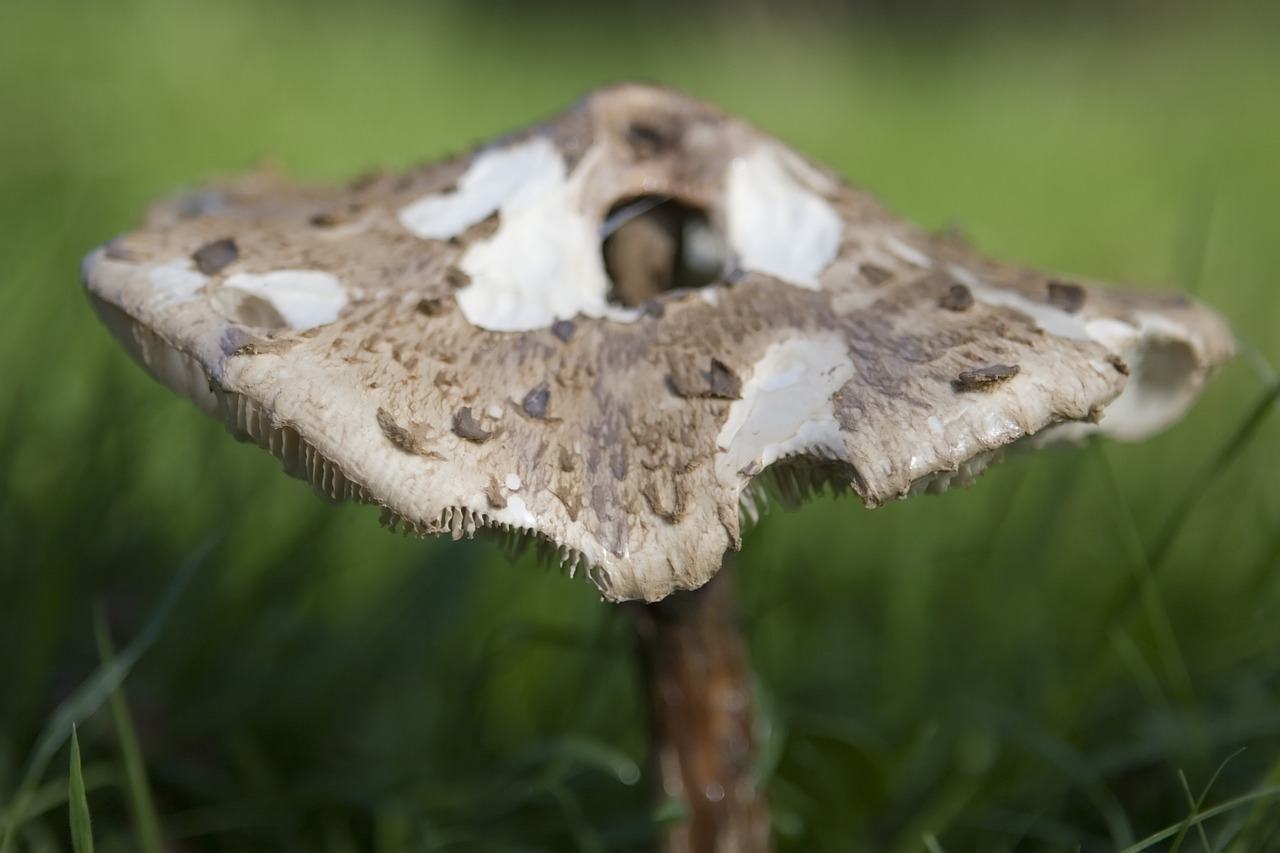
(448, 343)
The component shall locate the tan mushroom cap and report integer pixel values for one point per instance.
(443, 343)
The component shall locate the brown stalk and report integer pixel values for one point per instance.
(694, 663)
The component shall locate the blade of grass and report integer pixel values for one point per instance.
(78, 802)
(1217, 464)
(1197, 803)
(92, 693)
(1149, 595)
(1259, 813)
(1128, 596)
(575, 819)
(1222, 808)
(1192, 245)
(1140, 588)
(142, 807)
(1256, 360)
(931, 843)
(1127, 652)
(1067, 760)
(1186, 824)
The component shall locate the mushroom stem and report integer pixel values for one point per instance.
(694, 662)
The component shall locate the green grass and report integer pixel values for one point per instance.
(1050, 660)
(81, 830)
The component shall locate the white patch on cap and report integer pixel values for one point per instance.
(786, 407)
(543, 263)
(516, 514)
(495, 179)
(174, 282)
(777, 224)
(299, 299)
(1116, 335)
(1053, 320)
(907, 252)
(964, 276)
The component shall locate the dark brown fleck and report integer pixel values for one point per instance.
(1121, 366)
(535, 402)
(722, 381)
(396, 434)
(563, 329)
(1069, 297)
(482, 230)
(264, 347)
(572, 504)
(669, 511)
(431, 306)
(874, 274)
(212, 258)
(718, 381)
(983, 378)
(326, 219)
(957, 298)
(465, 426)
(649, 140)
(456, 278)
(493, 494)
(568, 460)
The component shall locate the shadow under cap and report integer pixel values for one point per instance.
(840, 345)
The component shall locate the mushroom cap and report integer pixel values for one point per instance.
(443, 343)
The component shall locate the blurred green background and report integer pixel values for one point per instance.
(1058, 658)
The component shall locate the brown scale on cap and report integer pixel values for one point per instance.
(1069, 297)
(466, 426)
(984, 378)
(216, 256)
(957, 298)
(376, 338)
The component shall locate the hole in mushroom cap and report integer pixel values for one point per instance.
(1161, 386)
(653, 244)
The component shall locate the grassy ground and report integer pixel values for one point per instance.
(1067, 656)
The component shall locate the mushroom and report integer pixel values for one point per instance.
(604, 334)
